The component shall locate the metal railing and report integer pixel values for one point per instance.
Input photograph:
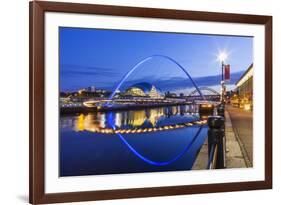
(216, 140)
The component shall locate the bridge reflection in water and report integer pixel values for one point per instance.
(148, 140)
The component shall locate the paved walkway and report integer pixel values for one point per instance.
(201, 161)
(234, 155)
(242, 122)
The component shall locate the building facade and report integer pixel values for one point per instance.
(244, 89)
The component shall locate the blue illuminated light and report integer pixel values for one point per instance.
(148, 59)
(139, 155)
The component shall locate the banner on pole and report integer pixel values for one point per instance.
(227, 72)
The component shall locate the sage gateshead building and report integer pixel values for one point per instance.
(143, 90)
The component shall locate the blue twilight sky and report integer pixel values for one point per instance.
(100, 58)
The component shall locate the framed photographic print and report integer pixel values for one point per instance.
(138, 102)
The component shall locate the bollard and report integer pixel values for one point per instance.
(216, 137)
(220, 109)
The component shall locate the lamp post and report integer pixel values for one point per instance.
(222, 57)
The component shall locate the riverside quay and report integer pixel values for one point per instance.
(222, 130)
(147, 101)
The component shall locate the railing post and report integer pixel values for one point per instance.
(216, 141)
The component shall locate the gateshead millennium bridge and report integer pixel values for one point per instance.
(143, 97)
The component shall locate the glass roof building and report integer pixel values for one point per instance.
(143, 90)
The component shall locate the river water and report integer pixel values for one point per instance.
(89, 144)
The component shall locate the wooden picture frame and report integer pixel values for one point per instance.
(37, 193)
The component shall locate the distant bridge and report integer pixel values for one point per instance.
(206, 89)
(213, 96)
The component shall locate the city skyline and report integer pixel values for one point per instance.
(100, 58)
(201, 80)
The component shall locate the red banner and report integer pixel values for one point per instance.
(227, 72)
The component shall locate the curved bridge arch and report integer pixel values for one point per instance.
(148, 59)
(131, 148)
(204, 88)
(149, 161)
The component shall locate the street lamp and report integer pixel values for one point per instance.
(222, 57)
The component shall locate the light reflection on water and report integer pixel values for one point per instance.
(84, 152)
(146, 118)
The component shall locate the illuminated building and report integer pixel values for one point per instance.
(91, 89)
(244, 87)
(81, 91)
(143, 90)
